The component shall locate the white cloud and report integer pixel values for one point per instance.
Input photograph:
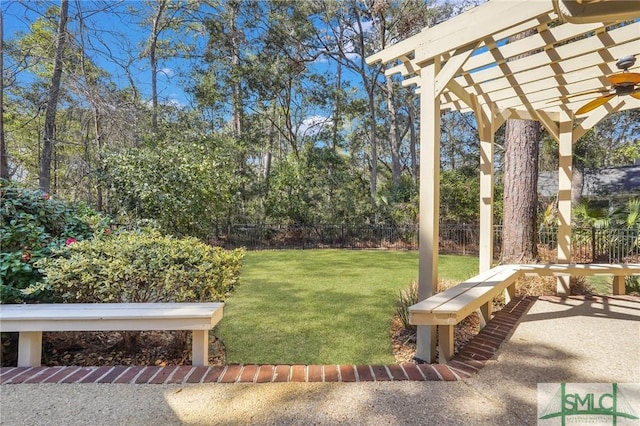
(168, 72)
(167, 101)
(312, 125)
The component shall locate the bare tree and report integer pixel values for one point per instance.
(52, 103)
(4, 160)
(152, 47)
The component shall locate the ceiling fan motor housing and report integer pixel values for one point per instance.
(626, 62)
(624, 89)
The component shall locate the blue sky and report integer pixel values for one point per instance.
(18, 18)
(110, 29)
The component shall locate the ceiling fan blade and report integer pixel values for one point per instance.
(636, 94)
(589, 106)
(602, 92)
(624, 78)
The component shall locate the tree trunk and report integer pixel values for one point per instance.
(98, 132)
(519, 232)
(373, 184)
(520, 199)
(577, 184)
(52, 103)
(4, 156)
(394, 135)
(337, 109)
(153, 44)
(236, 101)
(413, 144)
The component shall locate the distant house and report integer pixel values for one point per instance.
(599, 184)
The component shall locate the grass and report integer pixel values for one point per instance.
(321, 306)
(600, 284)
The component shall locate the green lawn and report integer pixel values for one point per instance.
(321, 306)
(600, 284)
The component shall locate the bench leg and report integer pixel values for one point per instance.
(509, 293)
(618, 284)
(200, 347)
(445, 343)
(29, 348)
(562, 286)
(484, 313)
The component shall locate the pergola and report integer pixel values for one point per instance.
(472, 62)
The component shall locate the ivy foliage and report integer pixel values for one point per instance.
(142, 267)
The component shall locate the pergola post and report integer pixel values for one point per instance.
(429, 207)
(565, 174)
(486, 133)
(530, 78)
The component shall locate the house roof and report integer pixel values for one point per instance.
(537, 76)
(605, 182)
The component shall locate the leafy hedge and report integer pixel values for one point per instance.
(142, 267)
(33, 225)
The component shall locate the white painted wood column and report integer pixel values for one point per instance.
(565, 174)
(29, 349)
(199, 347)
(429, 207)
(486, 133)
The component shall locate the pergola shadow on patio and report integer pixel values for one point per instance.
(472, 63)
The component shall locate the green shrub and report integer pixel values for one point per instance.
(407, 297)
(142, 267)
(33, 224)
(632, 285)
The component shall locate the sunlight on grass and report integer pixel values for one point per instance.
(321, 306)
(601, 284)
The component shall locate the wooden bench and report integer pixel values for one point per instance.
(619, 271)
(31, 320)
(448, 308)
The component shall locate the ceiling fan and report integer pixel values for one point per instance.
(624, 83)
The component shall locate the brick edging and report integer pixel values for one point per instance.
(469, 361)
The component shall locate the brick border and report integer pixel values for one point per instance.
(465, 364)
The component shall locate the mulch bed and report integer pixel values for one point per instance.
(159, 348)
(404, 340)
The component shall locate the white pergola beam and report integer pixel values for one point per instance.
(531, 43)
(549, 124)
(463, 29)
(535, 67)
(451, 68)
(588, 61)
(580, 50)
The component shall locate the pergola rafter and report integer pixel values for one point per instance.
(474, 63)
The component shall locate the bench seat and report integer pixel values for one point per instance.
(31, 320)
(448, 308)
(619, 271)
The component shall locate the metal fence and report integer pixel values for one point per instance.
(588, 244)
(265, 237)
(596, 244)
